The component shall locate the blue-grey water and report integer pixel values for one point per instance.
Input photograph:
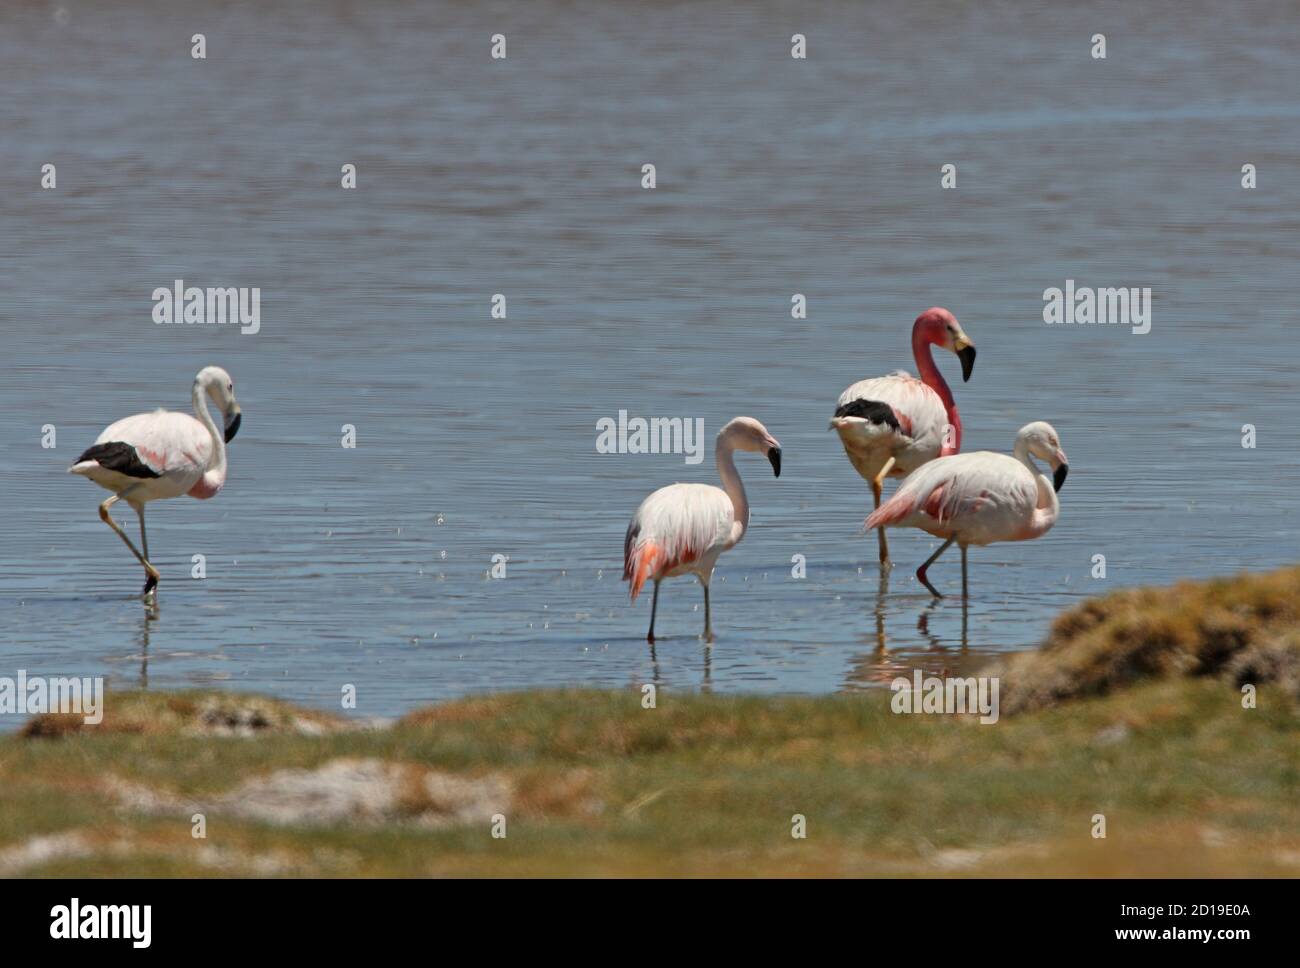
(477, 436)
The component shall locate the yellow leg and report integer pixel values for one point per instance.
(107, 518)
(877, 489)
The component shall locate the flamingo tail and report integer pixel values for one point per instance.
(640, 565)
(892, 511)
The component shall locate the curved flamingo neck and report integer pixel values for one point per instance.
(932, 378)
(1048, 506)
(215, 476)
(731, 483)
(1045, 515)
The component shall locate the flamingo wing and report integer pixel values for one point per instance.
(914, 407)
(979, 490)
(165, 441)
(121, 457)
(889, 416)
(150, 446)
(675, 526)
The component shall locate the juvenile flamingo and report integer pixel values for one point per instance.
(683, 528)
(982, 497)
(891, 425)
(163, 454)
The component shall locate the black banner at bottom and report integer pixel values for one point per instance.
(334, 917)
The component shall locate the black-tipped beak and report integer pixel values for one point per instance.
(232, 426)
(1058, 476)
(967, 356)
(774, 455)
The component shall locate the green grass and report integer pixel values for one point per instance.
(1189, 782)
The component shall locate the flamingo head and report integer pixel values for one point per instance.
(218, 385)
(940, 327)
(1041, 439)
(746, 433)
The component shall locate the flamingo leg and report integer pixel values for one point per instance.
(920, 572)
(654, 607)
(963, 572)
(108, 520)
(151, 581)
(877, 490)
(708, 624)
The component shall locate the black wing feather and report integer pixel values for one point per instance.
(872, 411)
(118, 456)
(633, 530)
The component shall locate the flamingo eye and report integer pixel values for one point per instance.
(230, 387)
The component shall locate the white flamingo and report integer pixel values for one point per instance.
(891, 425)
(158, 455)
(683, 528)
(982, 497)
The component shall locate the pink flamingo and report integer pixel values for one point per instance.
(982, 497)
(158, 455)
(891, 425)
(683, 528)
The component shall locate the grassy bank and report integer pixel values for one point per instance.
(591, 783)
(1132, 710)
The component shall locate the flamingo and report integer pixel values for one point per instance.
(891, 425)
(981, 497)
(683, 528)
(163, 454)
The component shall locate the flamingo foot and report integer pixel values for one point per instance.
(650, 638)
(150, 584)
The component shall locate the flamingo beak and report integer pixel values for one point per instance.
(774, 456)
(1060, 471)
(965, 351)
(233, 419)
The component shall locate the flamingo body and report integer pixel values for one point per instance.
(891, 425)
(978, 498)
(894, 416)
(981, 497)
(678, 530)
(163, 454)
(158, 455)
(682, 529)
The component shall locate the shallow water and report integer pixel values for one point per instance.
(476, 437)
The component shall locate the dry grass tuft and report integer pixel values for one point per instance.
(459, 711)
(1246, 627)
(187, 713)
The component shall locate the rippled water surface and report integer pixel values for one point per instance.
(476, 437)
